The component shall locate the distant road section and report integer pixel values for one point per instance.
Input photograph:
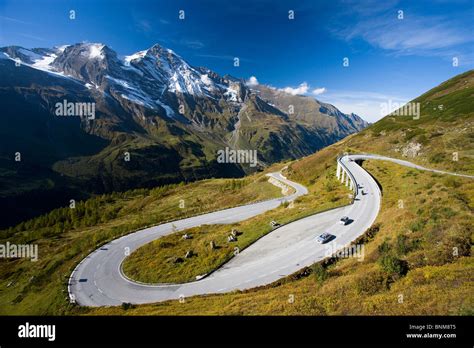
(412, 165)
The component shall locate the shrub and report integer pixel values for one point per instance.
(393, 266)
(402, 244)
(451, 248)
(417, 225)
(371, 282)
(329, 186)
(320, 272)
(417, 259)
(371, 231)
(452, 182)
(422, 139)
(448, 212)
(127, 305)
(384, 248)
(165, 244)
(437, 158)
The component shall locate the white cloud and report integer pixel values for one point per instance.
(13, 20)
(412, 35)
(144, 26)
(252, 81)
(319, 91)
(194, 44)
(301, 89)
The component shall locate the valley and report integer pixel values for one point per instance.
(171, 118)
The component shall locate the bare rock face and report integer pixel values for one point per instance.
(411, 150)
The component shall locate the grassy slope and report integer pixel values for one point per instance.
(435, 218)
(438, 133)
(40, 287)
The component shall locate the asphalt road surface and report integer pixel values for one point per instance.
(98, 280)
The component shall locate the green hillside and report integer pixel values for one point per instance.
(442, 137)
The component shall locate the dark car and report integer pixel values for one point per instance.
(344, 220)
(324, 238)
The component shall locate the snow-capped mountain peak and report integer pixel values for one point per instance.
(172, 71)
(155, 78)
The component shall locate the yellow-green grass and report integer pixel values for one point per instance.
(427, 291)
(41, 287)
(425, 221)
(156, 262)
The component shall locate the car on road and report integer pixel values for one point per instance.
(344, 220)
(324, 238)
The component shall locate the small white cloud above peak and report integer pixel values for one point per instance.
(301, 89)
(319, 91)
(252, 81)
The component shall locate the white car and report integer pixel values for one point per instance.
(344, 220)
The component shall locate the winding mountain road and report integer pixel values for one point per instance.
(98, 280)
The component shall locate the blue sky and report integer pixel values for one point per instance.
(390, 58)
